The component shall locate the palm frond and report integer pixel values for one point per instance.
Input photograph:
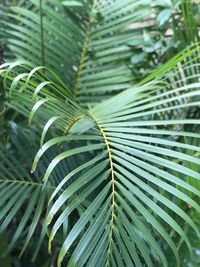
(94, 47)
(105, 65)
(101, 44)
(24, 197)
(45, 34)
(133, 174)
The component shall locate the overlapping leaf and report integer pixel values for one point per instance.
(46, 34)
(114, 29)
(91, 45)
(24, 197)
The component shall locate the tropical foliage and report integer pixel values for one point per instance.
(99, 158)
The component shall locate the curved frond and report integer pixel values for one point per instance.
(23, 196)
(46, 34)
(133, 176)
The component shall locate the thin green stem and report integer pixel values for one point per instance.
(42, 35)
(84, 50)
(24, 182)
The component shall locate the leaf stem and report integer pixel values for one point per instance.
(84, 50)
(42, 35)
(113, 215)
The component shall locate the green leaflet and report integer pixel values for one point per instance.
(72, 3)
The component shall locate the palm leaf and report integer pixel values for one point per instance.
(129, 184)
(41, 35)
(98, 40)
(24, 197)
(105, 64)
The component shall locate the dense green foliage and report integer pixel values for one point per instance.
(99, 137)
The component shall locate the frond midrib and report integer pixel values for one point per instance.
(113, 216)
(69, 127)
(109, 151)
(84, 49)
(24, 182)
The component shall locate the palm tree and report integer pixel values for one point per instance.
(108, 169)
